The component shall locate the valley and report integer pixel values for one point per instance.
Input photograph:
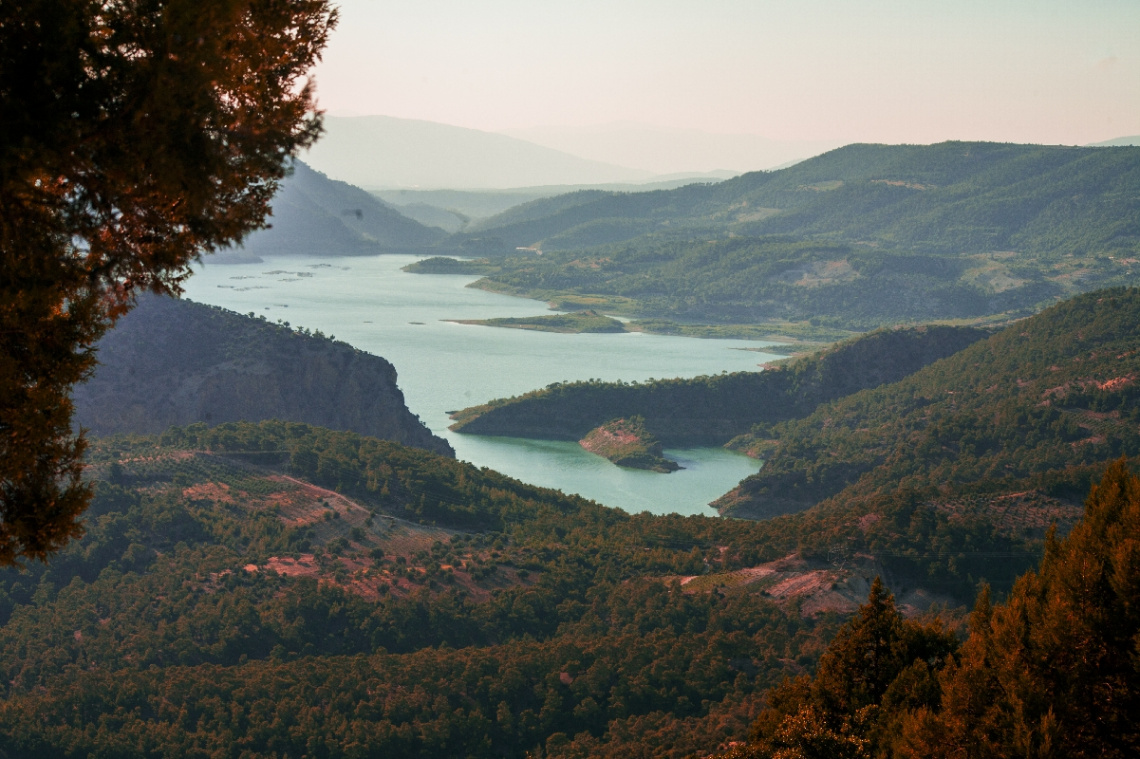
(443, 367)
(230, 574)
(617, 380)
(499, 542)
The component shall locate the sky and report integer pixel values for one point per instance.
(893, 71)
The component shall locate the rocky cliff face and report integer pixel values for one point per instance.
(173, 362)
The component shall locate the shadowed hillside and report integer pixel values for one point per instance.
(713, 410)
(172, 362)
(1055, 392)
(315, 215)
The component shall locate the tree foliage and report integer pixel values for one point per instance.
(1052, 672)
(135, 137)
(1053, 393)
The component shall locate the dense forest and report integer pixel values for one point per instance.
(1048, 394)
(712, 410)
(861, 237)
(1050, 672)
(283, 590)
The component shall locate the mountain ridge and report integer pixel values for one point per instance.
(313, 214)
(1054, 392)
(384, 152)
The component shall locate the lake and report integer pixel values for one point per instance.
(442, 366)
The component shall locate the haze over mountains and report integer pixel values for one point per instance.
(387, 153)
(315, 214)
(280, 588)
(381, 152)
(672, 151)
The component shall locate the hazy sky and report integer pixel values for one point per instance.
(1048, 71)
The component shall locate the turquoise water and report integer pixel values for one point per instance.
(444, 366)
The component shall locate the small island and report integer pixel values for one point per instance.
(574, 323)
(627, 443)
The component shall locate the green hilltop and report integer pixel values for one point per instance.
(861, 237)
(1052, 393)
(953, 197)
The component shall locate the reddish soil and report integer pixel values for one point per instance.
(818, 587)
(219, 492)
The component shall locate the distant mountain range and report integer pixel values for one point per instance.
(860, 237)
(668, 151)
(382, 152)
(952, 196)
(1134, 140)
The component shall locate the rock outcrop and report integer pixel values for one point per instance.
(175, 362)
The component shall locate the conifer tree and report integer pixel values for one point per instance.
(134, 136)
(878, 666)
(1055, 671)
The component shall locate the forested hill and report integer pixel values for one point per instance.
(315, 215)
(173, 362)
(952, 197)
(1053, 393)
(283, 590)
(861, 237)
(711, 410)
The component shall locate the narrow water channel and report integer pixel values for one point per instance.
(442, 366)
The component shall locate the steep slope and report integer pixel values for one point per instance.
(712, 410)
(281, 587)
(173, 362)
(862, 237)
(1054, 392)
(951, 197)
(315, 215)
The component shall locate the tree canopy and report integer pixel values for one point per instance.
(1051, 672)
(135, 137)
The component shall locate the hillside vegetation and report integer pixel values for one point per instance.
(627, 443)
(712, 410)
(315, 215)
(1049, 672)
(1047, 394)
(861, 237)
(282, 589)
(953, 197)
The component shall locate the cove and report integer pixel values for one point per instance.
(442, 366)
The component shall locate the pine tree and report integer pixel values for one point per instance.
(878, 667)
(134, 137)
(1054, 672)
